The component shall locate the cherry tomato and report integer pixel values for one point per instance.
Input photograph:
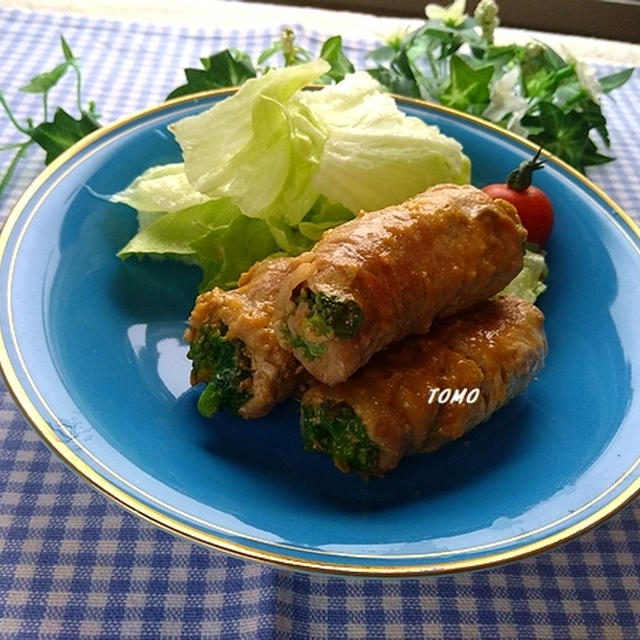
(531, 203)
(533, 207)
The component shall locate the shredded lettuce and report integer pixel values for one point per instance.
(530, 281)
(268, 169)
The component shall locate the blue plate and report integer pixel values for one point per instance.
(91, 348)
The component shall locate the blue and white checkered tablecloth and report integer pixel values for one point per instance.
(75, 565)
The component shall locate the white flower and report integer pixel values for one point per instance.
(395, 36)
(588, 81)
(452, 15)
(586, 76)
(504, 100)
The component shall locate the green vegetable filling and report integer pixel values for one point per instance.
(328, 316)
(310, 350)
(334, 314)
(223, 363)
(336, 429)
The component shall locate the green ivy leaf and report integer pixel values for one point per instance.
(46, 80)
(395, 82)
(227, 68)
(468, 89)
(384, 55)
(552, 60)
(63, 131)
(500, 57)
(66, 51)
(615, 80)
(399, 76)
(564, 134)
(333, 53)
(592, 112)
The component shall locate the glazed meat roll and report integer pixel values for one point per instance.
(389, 273)
(427, 390)
(234, 349)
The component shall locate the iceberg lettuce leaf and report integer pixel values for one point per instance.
(375, 155)
(227, 251)
(172, 234)
(258, 147)
(214, 236)
(271, 167)
(158, 190)
(323, 215)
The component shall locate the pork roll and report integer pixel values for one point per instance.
(234, 348)
(388, 274)
(425, 391)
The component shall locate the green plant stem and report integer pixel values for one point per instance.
(14, 163)
(14, 122)
(577, 99)
(78, 87)
(15, 145)
(432, 64)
